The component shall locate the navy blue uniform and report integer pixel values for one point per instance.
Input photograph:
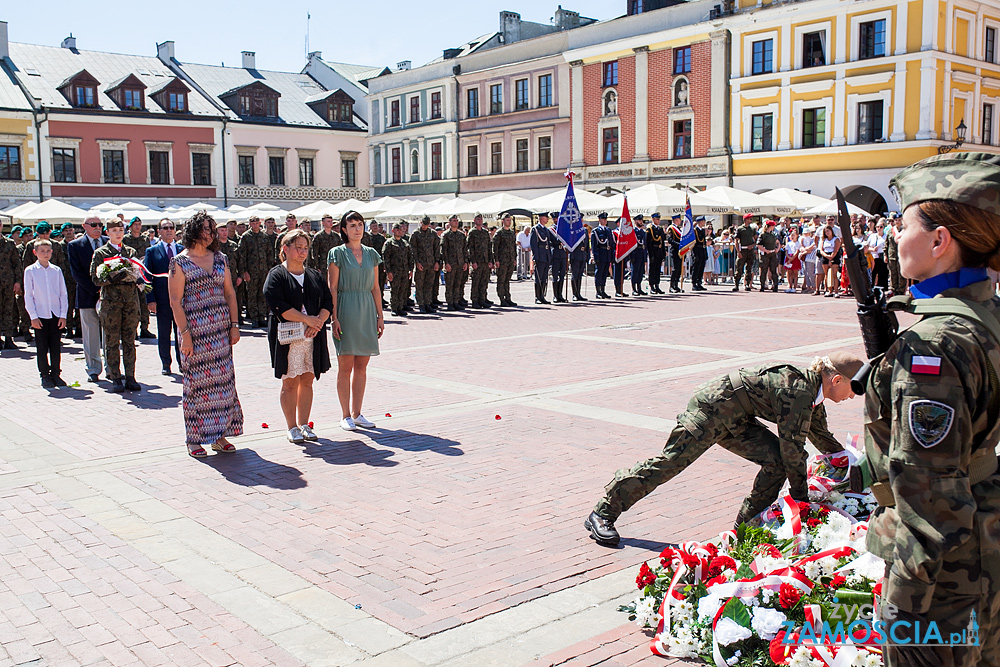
(699, 260)
(637, 259)
(542, 241)
(578, 266)
(560, 263)
(656, 249)
(603, 248)
(674, 241)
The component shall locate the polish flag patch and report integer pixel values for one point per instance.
(926, 365)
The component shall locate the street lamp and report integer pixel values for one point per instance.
(959, 139)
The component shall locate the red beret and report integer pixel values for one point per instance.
(769, 223)
(747, 216)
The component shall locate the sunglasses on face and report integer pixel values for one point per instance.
(167, 227)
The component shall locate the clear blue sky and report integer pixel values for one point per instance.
(369, 32)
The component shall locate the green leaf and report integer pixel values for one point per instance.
(737, 611)
(744, 572)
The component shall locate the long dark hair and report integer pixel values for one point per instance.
(193, 229)
(347, 217)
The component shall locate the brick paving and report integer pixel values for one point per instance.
(445, 536)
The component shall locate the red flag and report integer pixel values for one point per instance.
(625, 241)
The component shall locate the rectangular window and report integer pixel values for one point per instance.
(159, 167)
(178, 102)
(611, 74)
(760, 128)
(306, 178)
(84, 96)
(414, 165)
(472, 99)
(414, 109)
(521, 95)
(682, 60)
(496, 98)
(682, 138)
(348, 174)
(990, 51)
(201, 168)
(10, 163)
(435, 105)
(133, 98)
(872, 40)
(987, 125)
(246, 170)
(813, 128)
(763, 57)
(869, 122)
(544, 153)
(397, 166)
(610, 153)
(64, 165)
(521, 155)
(472, 160)
(813, 49)
(394, 114)
(276, 170)
(114, 166)
(496, 158)
(545, 90)
(436, 171)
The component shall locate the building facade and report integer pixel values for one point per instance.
(827, 95)
(18, 159)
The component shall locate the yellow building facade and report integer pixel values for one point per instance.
(18, 159)
(828, 93)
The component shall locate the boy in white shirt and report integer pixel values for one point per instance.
(46, 301)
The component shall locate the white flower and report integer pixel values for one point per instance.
(729, 632)
(829, 565)
(767, 564)
(708, 606)
(866, 659)
(682, 644)
(766, 622)
(735, 659)
(750, 600)
(813, 569)
(803, 658)
(766, 595)
(835, 532)
(646, 611)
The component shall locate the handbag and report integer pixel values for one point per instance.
(291, 332)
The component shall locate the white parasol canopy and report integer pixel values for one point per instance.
(315, 210)
(590, 204)
(52, 210)
(741, 201)
(830, 208)
(802, 201)
(376, 206)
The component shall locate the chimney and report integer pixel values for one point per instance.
(249, 60)
(69, 42)
(165, 51)
(403, 65)
(315, 55)
(510, 27)
(567, 19)
(4, 49)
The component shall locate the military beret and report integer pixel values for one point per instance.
(655, 215)
(43, 227)
(700, 218)
(426, 220)
(135, 219)
(602, 216)
(747, 216)
(220, 225)
(966, 178)
(846, 363)
(57, 234)
(66, 225)
(398, 225)
(16, 229)
(769, 223)
(638, 216)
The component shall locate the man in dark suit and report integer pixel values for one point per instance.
(80, 253)
(157, 261)
(542, 241)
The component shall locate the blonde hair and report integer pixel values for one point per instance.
(291, 237)
(824, 366)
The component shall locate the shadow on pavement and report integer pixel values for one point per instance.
(351, 452)
(413, 442)
(248, 468)
(151, 400)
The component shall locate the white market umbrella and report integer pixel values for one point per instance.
(501, 201)
(450, 207)
(244, 215)
(20, 209)
(54, 211)
(590, 204)
(376, 206)
(315, 210)
(409, 208)
(133, 206)
(741, 201)
(201, 206)
(830, 208)
(802, 201)
(106, 207)
(236, 208)
(655, 198)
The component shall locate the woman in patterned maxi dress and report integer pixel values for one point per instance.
(204, 307)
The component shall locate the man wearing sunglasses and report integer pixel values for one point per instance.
(80, 253)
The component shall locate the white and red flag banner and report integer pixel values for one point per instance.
(626, 241)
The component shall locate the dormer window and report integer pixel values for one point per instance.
(177, 102)
(254, 99)
(172, 96)
(133, 98)
(335, 107)
(80, 90)
(83, 96)
(339, 112)
(128, 93)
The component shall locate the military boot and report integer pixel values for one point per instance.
(601, 529)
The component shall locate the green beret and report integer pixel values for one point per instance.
(66, 225)
(56, 234)
(15, 230)
(965, 178)
(43, 227)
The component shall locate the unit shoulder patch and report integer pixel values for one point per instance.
(930, 421)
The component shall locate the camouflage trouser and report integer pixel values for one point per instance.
(23, 321)
(896, 281)
(504, 272)
(424, 281)
(437, 285)
(143, 315)
(399, 292)
(697, 430)
(8, 311)
(241, 297)
(454, 286)
(480, 282)
(769, 265)
(256, 304)
(745, 263)
(119, 320)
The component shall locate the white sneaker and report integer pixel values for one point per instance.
(362, 422)
(308, 434)
(348, 424)
(295, 435)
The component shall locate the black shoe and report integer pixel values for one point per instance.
(763, 289)
(424, 310)
(676, 290)
(736, 289)
(58, 381)
(165, 371)
(92, 377)
(543, 301)
(27, 337)
(601, 529)
(620, 295)
(486, 305)
(401, 313)
(132, 385)
(118, 386)
(9, 344)
(475, 305)
(47, 383)
(641, 293)
(774, 289)
(146, 334)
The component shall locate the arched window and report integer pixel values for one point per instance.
(682, 92)
(610, 103)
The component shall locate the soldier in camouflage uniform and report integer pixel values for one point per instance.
(377, 240)
(136, 240)
(323, 243)
(11, 274)
(455, 255)
(768, 246)
(725, 411)
(746, 253)
(232, 252)
(23, 321)
(68, 234)
(256, 252)
(481, 261)
(426, 247)
(505, 256)
(931, 410)
(119, 311)
(896, 282)
(398, 260)
(291, 222)
(271, 231)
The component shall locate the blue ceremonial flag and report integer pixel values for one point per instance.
(687, 228)
(569, 227)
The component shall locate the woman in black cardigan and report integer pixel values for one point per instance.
(296, 293)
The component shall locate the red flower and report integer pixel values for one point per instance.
(387, 414)
(788, 596)
(690, 560)
(803, 508)
(780, 650)
(824, 511)
(646, 576)
(769, 550)
(838, 581)
(719, 564)
(712, 550)
(813, 523)
(667, 557)
(878, 589)
(840, 461)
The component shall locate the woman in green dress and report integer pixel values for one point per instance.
(358, 322)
